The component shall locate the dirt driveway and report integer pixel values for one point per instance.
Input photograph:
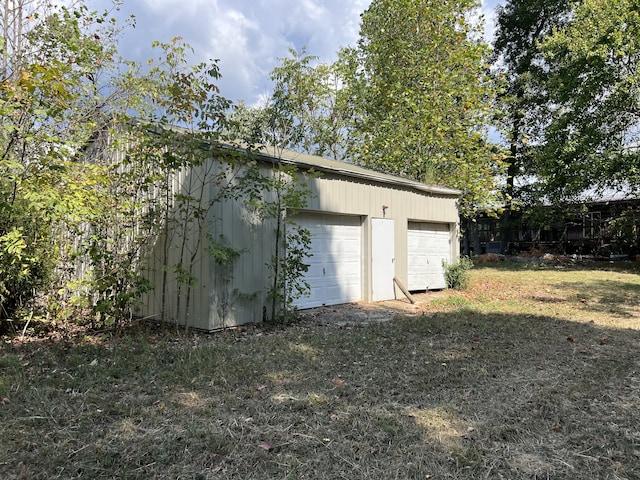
(360, 313)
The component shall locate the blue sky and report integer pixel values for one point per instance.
(247, 36)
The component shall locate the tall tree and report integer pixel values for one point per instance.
(520, 68)
(66, 97)
(593, 138)
(52, 98)
(309, 104)
(246, 124)
(421, 91)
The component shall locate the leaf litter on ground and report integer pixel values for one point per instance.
(481, 383)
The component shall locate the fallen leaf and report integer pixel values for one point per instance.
(557, 428)
(266, 446)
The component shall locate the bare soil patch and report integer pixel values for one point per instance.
(359, 313)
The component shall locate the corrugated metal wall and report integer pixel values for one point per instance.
(331, 193)
(351, 196)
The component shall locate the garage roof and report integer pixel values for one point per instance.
(321, 164)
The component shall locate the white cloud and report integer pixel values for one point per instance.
(248, 36)
(489, 12)
(171, 9)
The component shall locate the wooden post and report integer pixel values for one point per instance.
(404, 290)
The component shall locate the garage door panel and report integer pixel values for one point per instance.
(314, 298)
(334, 295)
(429, 244)
(335, 268)
(314, 275)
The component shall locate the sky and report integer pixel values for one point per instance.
(248, 36)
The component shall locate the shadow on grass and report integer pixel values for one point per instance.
(451, 395)
(615, 297)
(536, 264)
(608, 289)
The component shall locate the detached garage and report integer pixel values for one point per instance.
(366, 228)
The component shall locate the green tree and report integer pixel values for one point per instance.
(293, 120)
(52, 100)
(421, 95)
(246, 124)
(592, 138)
(165, 186)
(91, 173)
(311, 96)
(520, 70)
(307, 112)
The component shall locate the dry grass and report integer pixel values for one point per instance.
(533, 373)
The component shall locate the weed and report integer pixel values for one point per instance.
(456, 274)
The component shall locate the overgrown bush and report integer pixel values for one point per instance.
(456, 274)
(114, 283)
(27, 257)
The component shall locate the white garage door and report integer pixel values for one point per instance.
(335, 267)
(429, 244)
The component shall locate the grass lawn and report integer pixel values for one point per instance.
(532, 373)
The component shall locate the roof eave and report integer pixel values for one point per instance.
(340, 168)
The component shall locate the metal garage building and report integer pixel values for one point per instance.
(366, 228)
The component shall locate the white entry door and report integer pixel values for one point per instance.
(428, 245)
(382, 258)
(335, 264)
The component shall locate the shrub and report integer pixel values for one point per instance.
(456, 274)
(27, 258)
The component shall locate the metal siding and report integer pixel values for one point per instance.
(331, 194)
(338, 195)
(250, 275)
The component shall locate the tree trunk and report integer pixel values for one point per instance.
(506, 222)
